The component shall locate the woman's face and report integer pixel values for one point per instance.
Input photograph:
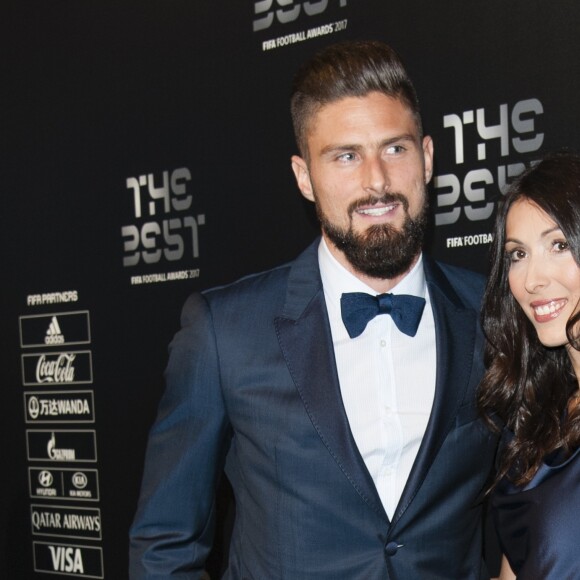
(543, 276)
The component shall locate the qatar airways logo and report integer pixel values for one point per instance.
(65, 521)
(266, 12)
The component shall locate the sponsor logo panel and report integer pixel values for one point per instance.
(59, 406)
(66, 522)
(57, 368)
(55, 329)
(64, 446)
(63, 483)
(68, 560)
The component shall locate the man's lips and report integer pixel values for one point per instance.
(377, 210)
(546, 310)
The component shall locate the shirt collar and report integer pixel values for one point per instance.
(336, 279)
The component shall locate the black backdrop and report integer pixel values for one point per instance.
(145, 154)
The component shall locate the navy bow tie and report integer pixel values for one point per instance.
(358, 308)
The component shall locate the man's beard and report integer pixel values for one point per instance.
(381, 251)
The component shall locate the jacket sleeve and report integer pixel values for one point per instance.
(173, 529)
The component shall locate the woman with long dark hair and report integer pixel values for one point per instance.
(531, 388)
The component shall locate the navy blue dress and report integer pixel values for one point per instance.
(539, 524)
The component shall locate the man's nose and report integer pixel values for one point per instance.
(376, 178)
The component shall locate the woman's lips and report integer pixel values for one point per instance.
(548, 309)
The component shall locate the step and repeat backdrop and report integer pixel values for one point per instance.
(145, 155)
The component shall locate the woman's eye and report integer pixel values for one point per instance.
(561, 246)
(516, 255)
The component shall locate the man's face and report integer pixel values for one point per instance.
(366, 173)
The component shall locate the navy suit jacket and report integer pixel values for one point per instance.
(252, 386)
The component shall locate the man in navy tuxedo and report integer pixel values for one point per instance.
(336, 391)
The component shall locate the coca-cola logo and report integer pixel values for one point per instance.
(56, 370)
(72, 367)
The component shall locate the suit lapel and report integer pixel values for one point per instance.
(455, 334)
(305, 340)
(304, 323)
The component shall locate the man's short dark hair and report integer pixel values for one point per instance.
(348, 69)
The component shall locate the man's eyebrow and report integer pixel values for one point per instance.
(397, 138)
(340, 148)
(343, 148)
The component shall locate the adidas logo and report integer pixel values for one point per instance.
(53, 334)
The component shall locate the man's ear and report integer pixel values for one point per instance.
(428, 157)
(302, 175)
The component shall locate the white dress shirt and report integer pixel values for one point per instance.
(387, 379)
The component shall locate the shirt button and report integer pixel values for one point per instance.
(383, 343)
(391, 548)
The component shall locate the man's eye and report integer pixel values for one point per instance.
(346, 157)
(395, 149)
